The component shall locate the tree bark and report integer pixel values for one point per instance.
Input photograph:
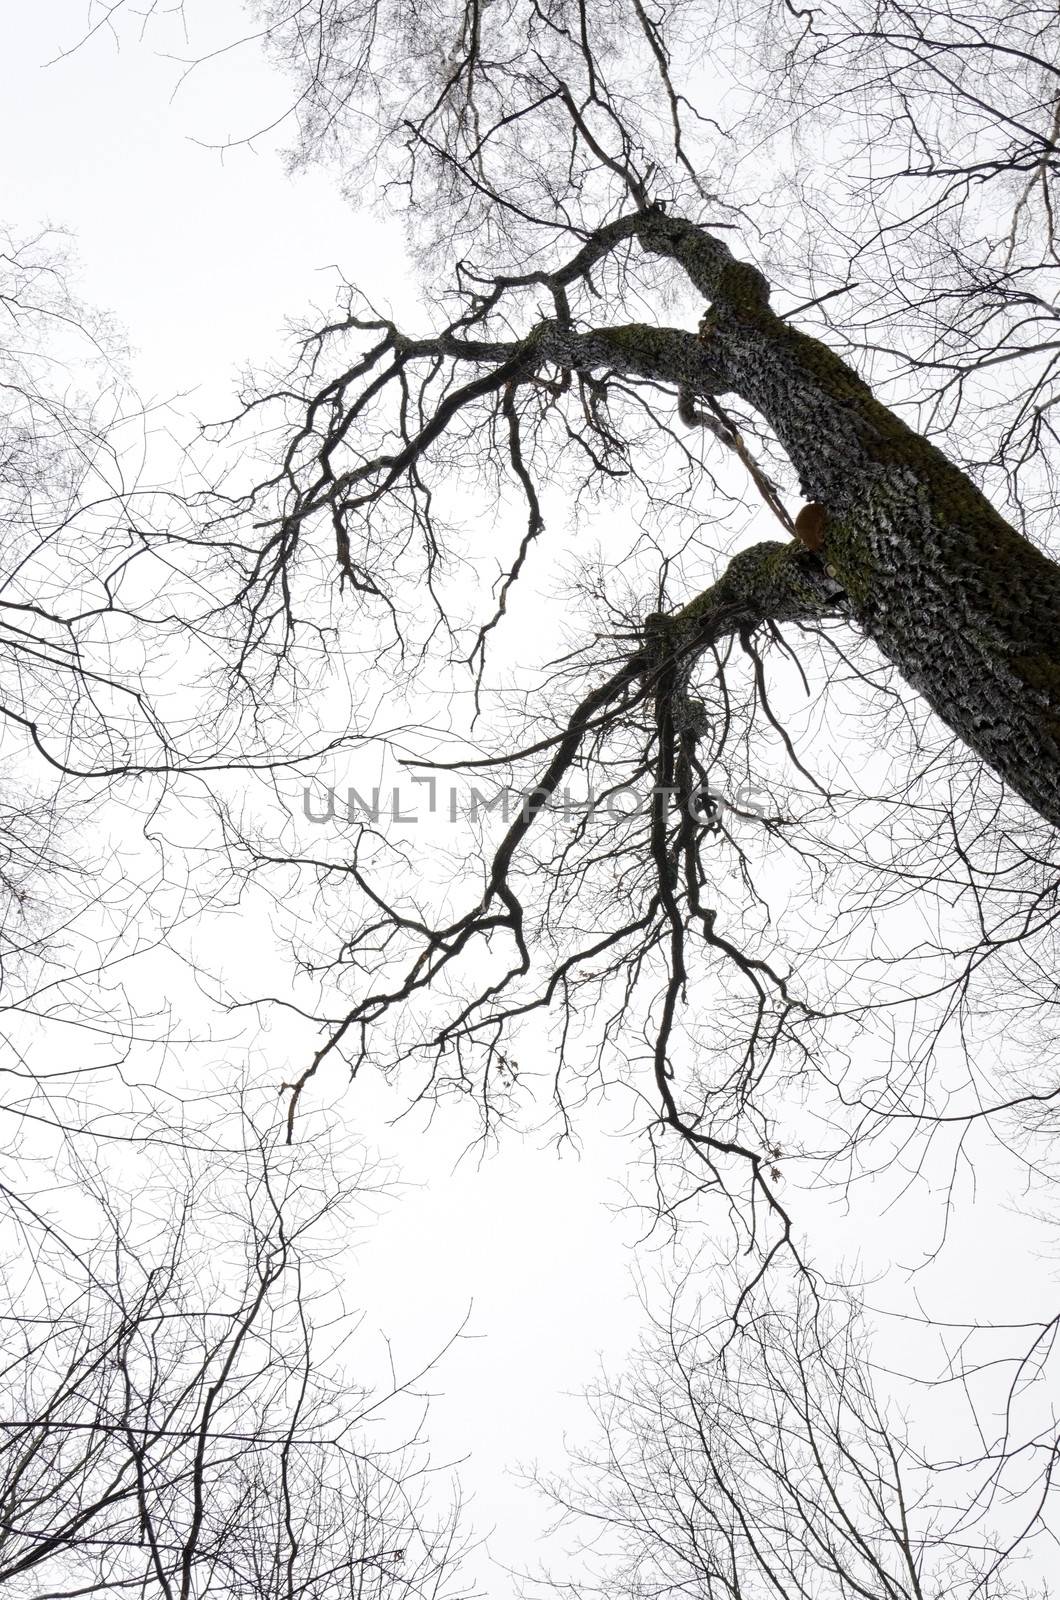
(964, 606)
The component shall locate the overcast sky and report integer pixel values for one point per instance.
(201, 258)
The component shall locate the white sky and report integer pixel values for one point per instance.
(201, 260)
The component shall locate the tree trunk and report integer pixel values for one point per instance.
(966, 608)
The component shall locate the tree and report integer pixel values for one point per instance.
(857, 970)
(169, 1423)
(770, 1464)
(107, 605)
(553, 163)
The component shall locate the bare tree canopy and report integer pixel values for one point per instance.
(169, 1421)
(176, 1414)
(772, 1465)
(699, 522)
(880, 680)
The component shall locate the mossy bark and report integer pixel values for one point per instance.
(965, 607)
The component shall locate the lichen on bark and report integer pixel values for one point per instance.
(964, 606)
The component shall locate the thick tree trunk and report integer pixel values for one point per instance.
(965, 607)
